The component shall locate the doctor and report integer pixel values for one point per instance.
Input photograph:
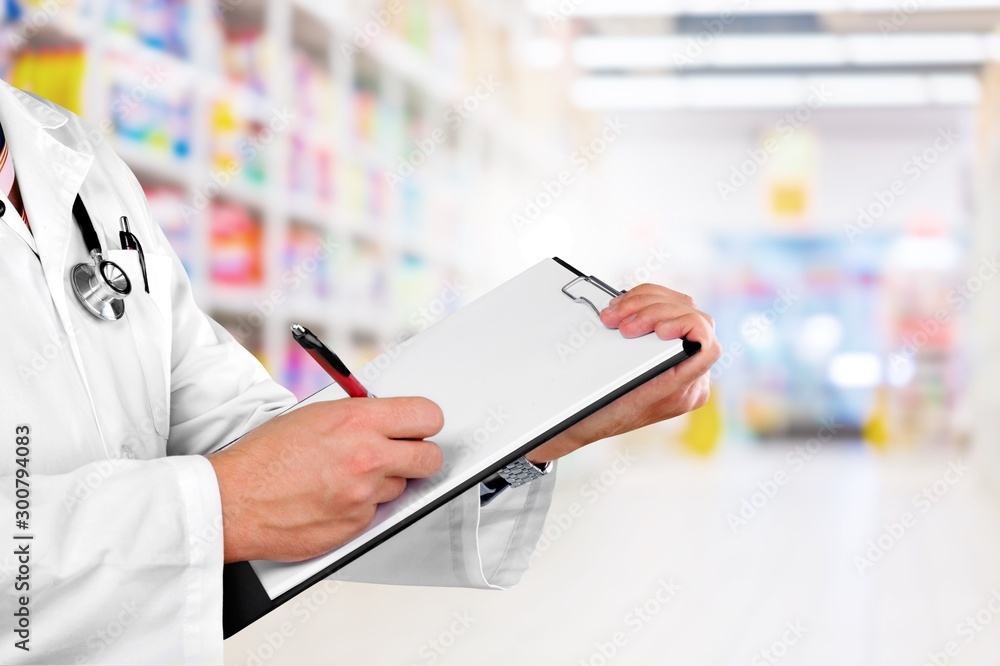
(118, 515)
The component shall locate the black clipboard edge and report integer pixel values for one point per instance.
(568, 267)
(244, 599)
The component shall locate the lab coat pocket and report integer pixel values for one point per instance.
(150, 317)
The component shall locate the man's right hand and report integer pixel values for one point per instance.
(309, 481)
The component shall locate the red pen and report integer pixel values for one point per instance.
(329, 362)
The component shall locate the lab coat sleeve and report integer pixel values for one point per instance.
(219, 391)
(122, 567)
(463, 545)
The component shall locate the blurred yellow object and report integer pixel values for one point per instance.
(789, 198)
(227, 130)
(55, 73)
(875, 430)
(704, 428)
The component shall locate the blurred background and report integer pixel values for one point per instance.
(819, 175)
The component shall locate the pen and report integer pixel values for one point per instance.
(329, 362)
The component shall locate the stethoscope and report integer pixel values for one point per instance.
(102, 285)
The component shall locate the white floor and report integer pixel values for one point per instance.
(652, 572)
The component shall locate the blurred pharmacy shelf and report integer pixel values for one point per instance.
(266, 134)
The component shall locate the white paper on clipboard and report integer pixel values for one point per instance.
(533, 348)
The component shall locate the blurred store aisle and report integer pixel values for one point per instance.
(694, 591)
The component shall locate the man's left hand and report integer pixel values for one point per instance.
(645, 309)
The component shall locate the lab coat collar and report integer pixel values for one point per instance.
(35, 111)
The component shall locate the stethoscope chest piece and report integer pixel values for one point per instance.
(101, 287)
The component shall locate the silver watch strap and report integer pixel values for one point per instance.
(521, 471)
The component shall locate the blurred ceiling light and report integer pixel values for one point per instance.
(923, 49)
(540, 53)
(600, 8)
(742, 51)
(855, 370)
(775, 91)
(681, 52)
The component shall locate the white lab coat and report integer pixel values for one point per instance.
(126, 556)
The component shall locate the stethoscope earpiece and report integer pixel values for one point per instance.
(101, 286)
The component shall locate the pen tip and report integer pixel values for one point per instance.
(298, 329)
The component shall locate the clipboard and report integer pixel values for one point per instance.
(534, 347)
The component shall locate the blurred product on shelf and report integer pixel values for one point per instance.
(311, 174)
(923, 304)
(430, 27)
(365, 114)
(391, 124)
(53, 72)
(236, 247)
(415, 27)
(351, 183)
(410, 215)
(231, 152)
(359, 273)
(35, 16)
(167, 206)
(376, 198)
(306, 264)
(247, 58)
(318, 105)
(162, 123)
(160, 24)
(316, 95)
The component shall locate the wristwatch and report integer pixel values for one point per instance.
(516, 474)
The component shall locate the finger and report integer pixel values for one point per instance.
(648, 288)
(405, 418)
(389, 489)
(669, 320)
(412, 458)
(656, 291)
(690, 326)
(695, 329)
(692, 374)
(665, 293)
(614, 315)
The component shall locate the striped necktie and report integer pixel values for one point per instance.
(8, 180)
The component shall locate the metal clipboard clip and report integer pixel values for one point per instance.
(597, 282)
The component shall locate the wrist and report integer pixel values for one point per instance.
(235, 545)
(538, 460)
(560, 445)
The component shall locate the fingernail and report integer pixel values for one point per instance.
(613, 303)
(629, 318)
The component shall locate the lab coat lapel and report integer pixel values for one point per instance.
(49, 174)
